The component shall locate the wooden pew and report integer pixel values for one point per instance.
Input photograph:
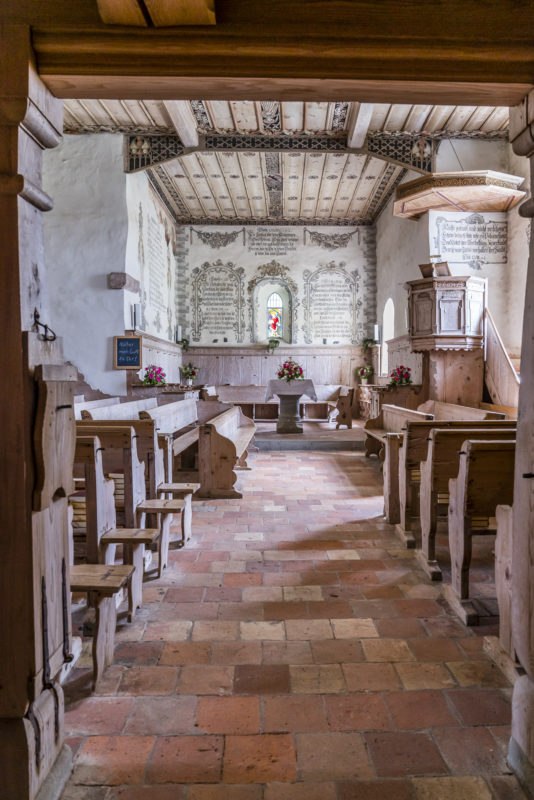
(88, 405)
(209, 393)
(446, 411)
(391, 419)
(413, 450)
(485, 480)
(223, 447)
(338, 400)
(442, 463)
(120, 451)
(101, 531)
(179, 420)
(510, 412)
(152, 453)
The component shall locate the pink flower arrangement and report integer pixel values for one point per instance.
(290, 371)
(154, 376)
(189, 371)
(400, 376)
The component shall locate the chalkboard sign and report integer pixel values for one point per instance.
(127, 352)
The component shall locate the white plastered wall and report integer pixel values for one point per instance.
(85, 240)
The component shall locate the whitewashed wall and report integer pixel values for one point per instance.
(400, 246)
(328, 271)
(151, 258)
(85, 239)
(105, 221)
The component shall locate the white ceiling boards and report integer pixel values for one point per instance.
(247, 162)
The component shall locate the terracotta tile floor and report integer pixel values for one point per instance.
(293, 651)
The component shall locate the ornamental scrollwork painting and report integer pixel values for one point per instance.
(216, 239)
(218, 302)
(331, 241)
(273, 270)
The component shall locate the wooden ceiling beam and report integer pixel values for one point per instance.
(122, 12)
(159, 13)
(358, 126)
(183, 120)
(212, 64)
(165, 13)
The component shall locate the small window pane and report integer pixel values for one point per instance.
(274, 316)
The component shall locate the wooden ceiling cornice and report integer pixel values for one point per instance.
(459, 51)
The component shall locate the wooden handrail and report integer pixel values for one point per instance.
(502, 380)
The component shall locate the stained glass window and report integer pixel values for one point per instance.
(275, 307)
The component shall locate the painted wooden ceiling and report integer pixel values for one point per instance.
(279, 187)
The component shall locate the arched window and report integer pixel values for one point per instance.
(388, 332)
(275, 311)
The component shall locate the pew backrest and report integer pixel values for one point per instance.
(414, 447)
(151, 446)
(485, 476)
(100, 505)
(510, 412)
(172, 417)
(452, 411)
(393, 419)
(88, 405)
(119, 452)
(129, 410)
(444, 446)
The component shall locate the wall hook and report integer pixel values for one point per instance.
(48, 334)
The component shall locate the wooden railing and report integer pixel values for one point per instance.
(501, 378)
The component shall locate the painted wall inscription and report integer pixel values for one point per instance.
(330, 305)
(272, 241)
(217, 300)
(157, 266)
(470, 240)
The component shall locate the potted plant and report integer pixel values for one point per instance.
(272, 344)
(364, 373)
(154, 376)
(290, 371)
(400, 376)
(189, 372)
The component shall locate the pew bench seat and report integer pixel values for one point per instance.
(165, 510)
(103, 581)
(133, 541)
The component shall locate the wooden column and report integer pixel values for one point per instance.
(521, 751)
(36, 442)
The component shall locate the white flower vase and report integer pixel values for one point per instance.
(189, 381)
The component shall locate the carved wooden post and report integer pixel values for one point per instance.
(36, 440)
(521, 751)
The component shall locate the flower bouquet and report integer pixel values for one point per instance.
(189, 371)
(364, 373)
(154, 376)
(400, 376)
(290, 371)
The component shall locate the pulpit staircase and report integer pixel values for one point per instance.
(501, 371)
